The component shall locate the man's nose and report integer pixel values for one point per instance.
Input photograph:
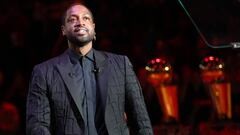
(80, 22)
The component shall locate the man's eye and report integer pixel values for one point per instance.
(86, 18)
(71, 20)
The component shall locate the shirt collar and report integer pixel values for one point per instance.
(75, 57)
(89, 55)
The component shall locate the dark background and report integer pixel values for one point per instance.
(30, 33)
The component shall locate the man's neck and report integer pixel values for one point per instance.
(83, 50)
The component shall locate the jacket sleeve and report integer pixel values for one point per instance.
(137, 116)
(38, 108)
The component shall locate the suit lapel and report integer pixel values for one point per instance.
(68, 71)
(102, 75)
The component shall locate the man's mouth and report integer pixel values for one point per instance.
(81, 31)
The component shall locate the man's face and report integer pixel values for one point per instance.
(79, 26)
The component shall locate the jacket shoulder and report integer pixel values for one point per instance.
(115, 56)
(118, 59)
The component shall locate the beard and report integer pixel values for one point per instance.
(80, 41)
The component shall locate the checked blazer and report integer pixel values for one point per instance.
(53, 101)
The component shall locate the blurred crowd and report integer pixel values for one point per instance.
(141, 29)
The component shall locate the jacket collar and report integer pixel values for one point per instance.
(67, 63)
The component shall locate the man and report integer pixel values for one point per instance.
(85, 91)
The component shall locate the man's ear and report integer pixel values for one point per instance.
(94, 38)
(63, 30)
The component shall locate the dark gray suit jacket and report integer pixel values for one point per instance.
(53, 102)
